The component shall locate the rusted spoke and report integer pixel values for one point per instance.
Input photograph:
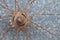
(38, 14)
(41, 9)
(7, 29)
(40, 27)
(4, 2)
(28, 35)
(1, 18)
(17, 4)
(28, 4)
(5, 6)
(18, 35)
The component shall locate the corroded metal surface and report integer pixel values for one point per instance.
(42, 19)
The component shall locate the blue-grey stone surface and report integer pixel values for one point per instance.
(49, 22)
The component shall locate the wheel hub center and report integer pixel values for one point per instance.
(19, 19)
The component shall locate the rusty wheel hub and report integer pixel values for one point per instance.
(19, 20)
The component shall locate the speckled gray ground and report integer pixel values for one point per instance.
(51, 23)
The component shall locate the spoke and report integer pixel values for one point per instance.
(40, 27)
(4, 20)
(41, 9)
(18, 35)
(7, 29)
(1, 18)
(28, 4)
(17, 4)
(5, 6)
(28, 35)
(38, 14)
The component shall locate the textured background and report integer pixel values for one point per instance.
(51, 23)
